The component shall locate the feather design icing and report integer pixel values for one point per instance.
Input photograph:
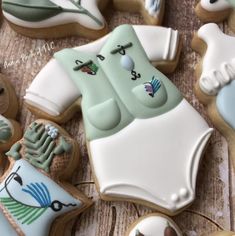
(152, 87)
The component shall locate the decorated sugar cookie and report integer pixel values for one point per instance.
(152, 10)
(216, 11)
(34, 197)
(152, 225)
(10, 130)
(56, 18)
(223, 233)
(216, 74)
(135, 120)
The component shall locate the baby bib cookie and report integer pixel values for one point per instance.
(35, 198)
(217, 11)
(56, 18)
(133, 116)
(216, 73)
(151, 10)
(152, 225)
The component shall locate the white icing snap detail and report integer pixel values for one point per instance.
(184, 193)
(174, 198)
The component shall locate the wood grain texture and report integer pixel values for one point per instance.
(215, 203)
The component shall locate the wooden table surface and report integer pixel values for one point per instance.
(22, 58)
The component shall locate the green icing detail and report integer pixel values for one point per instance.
(114, 86)
(40, 147)
(103, 120)
(5, 131)
(15, 152)
(33, 11)
(25, 214)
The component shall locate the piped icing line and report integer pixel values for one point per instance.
(153, 7)
(65, 12)
(215, 6)
(213, 81)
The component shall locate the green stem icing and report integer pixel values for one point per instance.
(41, 147)
(82, 10)
(15, 151)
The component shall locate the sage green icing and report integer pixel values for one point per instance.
(159, 99)
(121, 80)
(103, 120)
(34, 11)
(96, 90)
(40, 148)
(15, 152)
(5, 131)
(114, 83)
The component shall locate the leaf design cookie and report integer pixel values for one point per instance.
(152, 225)
(55, 18)
(35, 197)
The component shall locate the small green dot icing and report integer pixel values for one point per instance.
(5, 131)
(141, 93)
(34, 11)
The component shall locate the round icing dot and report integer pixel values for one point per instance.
(174, 198)
(127, 63)
(183, 192)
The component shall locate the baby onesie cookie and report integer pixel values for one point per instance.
(135, 120)
(151, 10)
(56, 18)
(35, 198)
(216, 73)
(216, 11)
(152, 225)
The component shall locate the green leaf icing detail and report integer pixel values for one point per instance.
(5, 131)
(15, 151)
(23, 213)
(33, 11)
(40, 147)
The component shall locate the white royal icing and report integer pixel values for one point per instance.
(218, 66)
(219, 5)
(46, 91)
(153, 7)
(153, 225)
(29, 174)
(129, 164)
(65, 17)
